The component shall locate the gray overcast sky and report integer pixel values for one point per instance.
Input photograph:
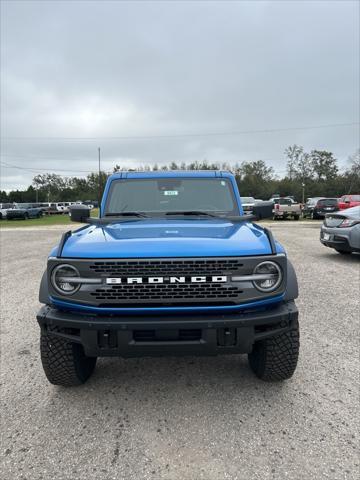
(112, 68)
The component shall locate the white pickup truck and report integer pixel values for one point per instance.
(285, 207)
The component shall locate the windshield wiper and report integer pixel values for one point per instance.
(192, 212)
(126, 214)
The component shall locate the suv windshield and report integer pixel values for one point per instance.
(166, 195)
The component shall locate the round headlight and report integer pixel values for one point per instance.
(61, 279)
(271, 276)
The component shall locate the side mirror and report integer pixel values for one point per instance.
(79, 213)
(263, 210)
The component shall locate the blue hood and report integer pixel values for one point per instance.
(168, 238)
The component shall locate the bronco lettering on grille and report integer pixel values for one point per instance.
(152, 280)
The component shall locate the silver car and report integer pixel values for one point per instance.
(341, 230)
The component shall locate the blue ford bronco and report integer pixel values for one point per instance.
(172, 266)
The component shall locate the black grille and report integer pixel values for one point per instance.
(186, 292)
(168, 292)
(187, 267)
(183, 335)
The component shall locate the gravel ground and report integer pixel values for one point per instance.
(188, 418)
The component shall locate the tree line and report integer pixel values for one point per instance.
(308, 174)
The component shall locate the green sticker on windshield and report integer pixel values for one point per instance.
(171, 192)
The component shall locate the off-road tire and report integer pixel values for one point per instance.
(275, 358)
(65, 363)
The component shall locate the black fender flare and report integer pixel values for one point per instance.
(44, 290)
(292, 288)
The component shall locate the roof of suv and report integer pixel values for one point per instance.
(173, 174)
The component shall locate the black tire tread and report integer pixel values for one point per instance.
(64, 363)
(276, 358)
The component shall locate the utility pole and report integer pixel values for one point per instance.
(99, 195)
(303, 192)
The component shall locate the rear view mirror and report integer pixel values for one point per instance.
(263, 210)
(79, 213)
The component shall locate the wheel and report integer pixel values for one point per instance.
(26, 216)
(65, 363)
(343, 252)
(296, 217)
(313, 216)
(275, 358)
(1, 216)
(39, 215)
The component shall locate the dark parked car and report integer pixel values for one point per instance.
(24, 211)
(91, 204)
(341, 230)
(318, 207)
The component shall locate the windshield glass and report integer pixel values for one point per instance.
(163, 195)
(350, 198)
(24, 205)
(328, 202)
(285, 201)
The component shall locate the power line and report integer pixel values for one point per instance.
(182, 135)
(37, 169)
(42, 157)
(40, 170)
(72, 159)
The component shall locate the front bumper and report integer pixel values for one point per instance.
(137, 336)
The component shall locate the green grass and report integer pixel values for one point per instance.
(44, 221)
